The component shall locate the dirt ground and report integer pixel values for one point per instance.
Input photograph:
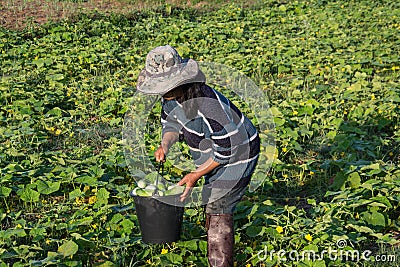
(17, 14)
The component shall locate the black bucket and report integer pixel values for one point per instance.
(159, 222)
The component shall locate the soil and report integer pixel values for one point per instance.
(19, 14)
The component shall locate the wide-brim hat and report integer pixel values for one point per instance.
(166, 70)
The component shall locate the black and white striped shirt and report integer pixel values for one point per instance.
(219, 130)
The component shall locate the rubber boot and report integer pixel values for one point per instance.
(220, 238)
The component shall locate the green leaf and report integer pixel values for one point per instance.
(279, 121)
(253, 231)
(55, 111)
(319, 263)
(75, 193)
(354, 180)
(38, 234)
(312, 201)
(83, 242)
(306, 110)
(374, 166)
(311, 247)
(127, 226)
(102, 198)
(55, 77)
(95, 171)
(86, 179)
(73, 263)
(173, 258)
(47, 187)
(67, 249)
(190, 244)
(39, 62)
(5, 191)
(384, 200)
(253, 210)
(361, 229)
(106, 264)
(83, 221)
(275, 112)
(12, 232)
(339, 181)
(203, 246)
(374, 218)
(29, 195)
(116, 219)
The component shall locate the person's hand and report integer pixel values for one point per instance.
(160, 154)
(190, 181)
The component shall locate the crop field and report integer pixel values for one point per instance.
(331, 74)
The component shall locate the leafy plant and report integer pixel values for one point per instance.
(330, 70)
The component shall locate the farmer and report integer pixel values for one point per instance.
(224, 144)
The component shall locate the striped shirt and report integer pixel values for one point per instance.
(219, 130)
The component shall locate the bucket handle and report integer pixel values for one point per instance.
(160, 166)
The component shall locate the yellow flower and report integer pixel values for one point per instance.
(308, 237)
(284, 149)
(312, 173)
(19, 226)
(51, 129)
(58, 132)
(391, 154)
(148, 261)
(78, 201)
(295, 113)
(48, 241)
(279, 229)
(372, 97)
(248, 265)
(164, 251)
(92, 200)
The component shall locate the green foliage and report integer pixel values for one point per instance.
(330, 69)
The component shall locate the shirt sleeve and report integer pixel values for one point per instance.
(169, 123)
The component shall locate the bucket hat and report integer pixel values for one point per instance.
(165, 70)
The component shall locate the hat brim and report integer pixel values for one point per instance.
(187, 72)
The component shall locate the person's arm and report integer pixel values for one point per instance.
(191, 178)
(168, 139)
(170, 135)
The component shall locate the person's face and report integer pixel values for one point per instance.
(169, 98)
(173, 94)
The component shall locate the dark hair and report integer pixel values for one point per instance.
(190, 98)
